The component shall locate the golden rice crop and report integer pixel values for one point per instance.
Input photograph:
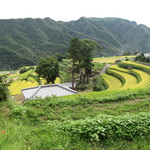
(137, 64)
(110, 59)
(116, 67)
(144, 76)
(112, 82)
(43, 81)
(14, 85)
(22, 85)
(16, 90)
(131, 81)
(58, 80)
(14, 75)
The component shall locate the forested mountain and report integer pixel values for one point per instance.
(23, 41)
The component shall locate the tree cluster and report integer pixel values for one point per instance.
(48, 69)
(80, 52)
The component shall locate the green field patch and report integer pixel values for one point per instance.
(25, 75)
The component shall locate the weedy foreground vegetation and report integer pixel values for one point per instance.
(113, 119)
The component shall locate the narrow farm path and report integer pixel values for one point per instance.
(104, 69)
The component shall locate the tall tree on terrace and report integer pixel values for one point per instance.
(73, 52)
(87, 47)
(80, 52)
(48, 68)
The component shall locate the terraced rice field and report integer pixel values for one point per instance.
(131, 81)
(144, 76)
(113, 82)
(116, 67)
(25, 80)
(136, 64)
(110, 59)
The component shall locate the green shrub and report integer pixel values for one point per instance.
(99, 84)
(105, 126)
(4, 92)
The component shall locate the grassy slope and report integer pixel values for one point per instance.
(25, 129)
(28, 126)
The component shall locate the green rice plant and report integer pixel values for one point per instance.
(25, 75)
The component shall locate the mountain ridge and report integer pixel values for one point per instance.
(23, 41)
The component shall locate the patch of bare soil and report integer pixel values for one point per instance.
(18, 98)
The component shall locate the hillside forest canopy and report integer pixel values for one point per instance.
(26, 40)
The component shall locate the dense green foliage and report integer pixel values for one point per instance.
(4, 93)
(105, 126)
(80, 52)
(25, 40)
(53, 124)
(99, 84)
(93, 97)
(48, 69)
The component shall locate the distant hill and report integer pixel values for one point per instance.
(23, 41)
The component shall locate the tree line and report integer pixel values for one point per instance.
(80, 53)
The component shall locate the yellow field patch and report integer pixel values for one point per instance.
(131, 81)
(24, 84)
(137, 64)
(110, 59)
(112, 82)
(58, 80)
(116, 67)
(16, 87)
(144, 76)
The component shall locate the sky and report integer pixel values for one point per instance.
(67, 10)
